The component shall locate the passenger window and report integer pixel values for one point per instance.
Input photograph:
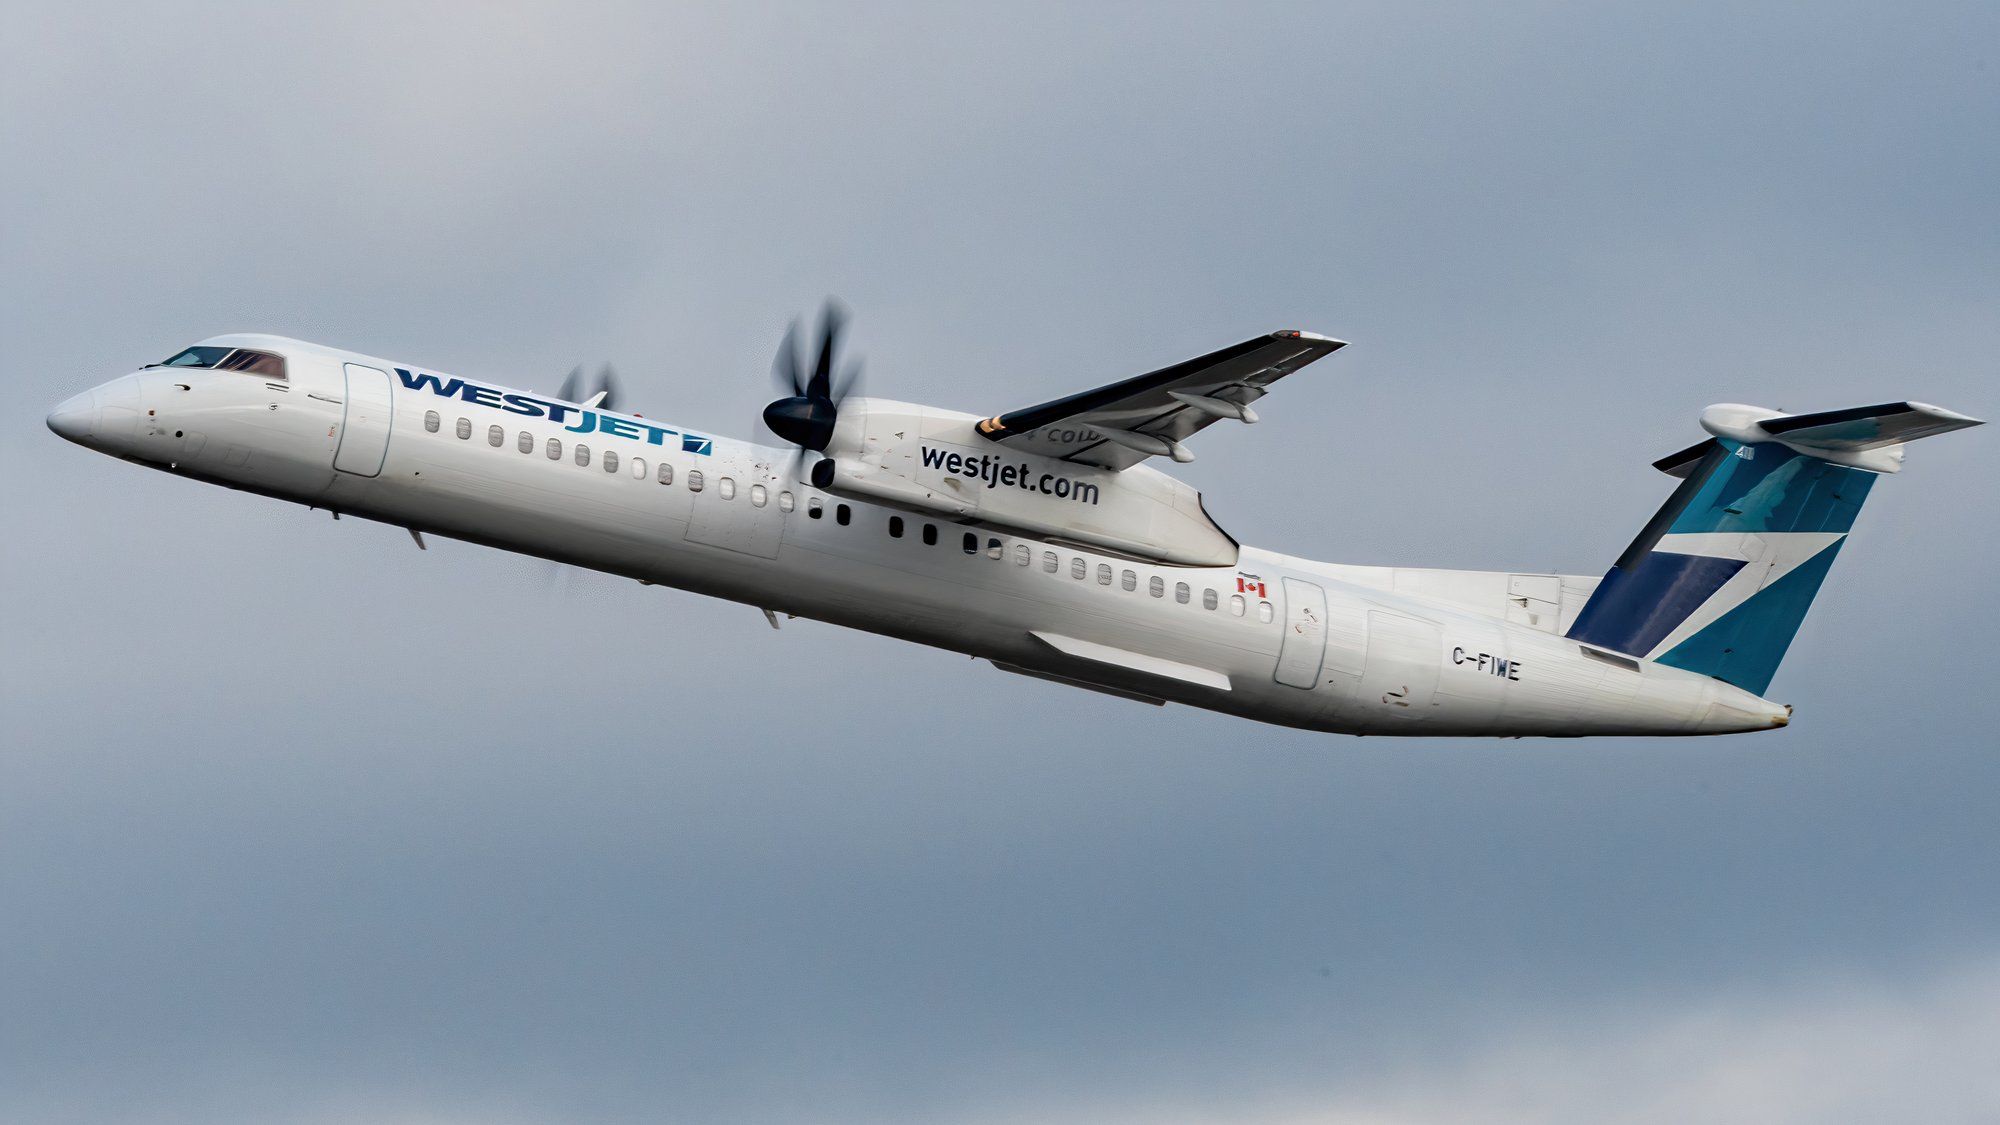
(431, 421)
(1104, 574)
(610, 460)
(759, 495)
(842, 513)
(785, 503)
(582, 454)
(993, 549)
(638, 468)
(815, 507)
(1236, 605)
(1264, 612)
(1022, 555)
(1157, 587)
(464, 428)
(1181, 592)
(970, 543)
(1128, 581)
(694, 480)
(526, 442)
(555, 449)
(895, 527)
(1050, 562)
(1208, 599)
(725, 487)
(496, 436)
(666, 473)
(1078, 568)
(930, 535)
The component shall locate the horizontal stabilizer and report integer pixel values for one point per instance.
(1861, 437)
(1679, 465)
(1865, 427)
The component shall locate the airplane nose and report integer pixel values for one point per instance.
(75, 418)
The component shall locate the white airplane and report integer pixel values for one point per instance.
(1039, 540)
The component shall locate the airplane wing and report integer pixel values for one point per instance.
(1149, 415)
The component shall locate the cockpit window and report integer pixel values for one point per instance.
(198, 357)
(249, 362)
(254, 363)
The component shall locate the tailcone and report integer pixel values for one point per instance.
(1739, 712)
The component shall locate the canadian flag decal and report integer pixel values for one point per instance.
(1250, 584)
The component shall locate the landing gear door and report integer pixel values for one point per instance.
(1303, 650)
(367, 409)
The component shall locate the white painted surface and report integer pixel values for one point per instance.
(1381, 632)
(1303, 648)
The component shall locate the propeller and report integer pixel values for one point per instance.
(602, 391)
(805, 416)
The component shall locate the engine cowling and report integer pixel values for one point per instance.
(934, 462)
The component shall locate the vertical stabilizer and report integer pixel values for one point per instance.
(1721, 577)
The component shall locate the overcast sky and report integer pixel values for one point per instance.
(299, 824)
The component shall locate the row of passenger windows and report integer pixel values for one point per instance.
(1079, 568)
(725, 488)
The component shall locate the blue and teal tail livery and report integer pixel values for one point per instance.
(1719, 580)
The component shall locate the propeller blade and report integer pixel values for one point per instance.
(608, 386)
(830, 323)
(849, 382)
(572, 385)
(785, 365)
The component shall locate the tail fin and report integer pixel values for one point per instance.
(1720, 578)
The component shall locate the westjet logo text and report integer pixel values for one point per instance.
(575, 419)
(994, 473)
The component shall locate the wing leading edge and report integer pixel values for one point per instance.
(1120, 425)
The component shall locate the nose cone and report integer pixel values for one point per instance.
(76, 418)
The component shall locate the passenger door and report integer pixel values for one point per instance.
(367, 409)
(1303, 650)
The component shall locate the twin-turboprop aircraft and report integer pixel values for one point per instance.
(1040, 539)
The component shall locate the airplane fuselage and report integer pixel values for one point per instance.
(1359, 650)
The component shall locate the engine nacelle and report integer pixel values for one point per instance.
(933, 462)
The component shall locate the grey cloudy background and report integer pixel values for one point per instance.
(299, 824)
